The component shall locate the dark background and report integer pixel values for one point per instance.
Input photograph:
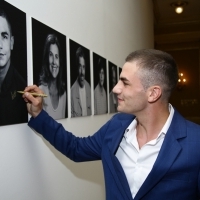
(96, 70)
(19, 52)
(73, 46)
(110, 64)
(39, 34)
(120, 70)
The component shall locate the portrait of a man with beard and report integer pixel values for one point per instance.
(80, 90)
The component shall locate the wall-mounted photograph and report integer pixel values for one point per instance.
(120, 70)
(80, 80)
(100, 85)
(13, 64)
(112, 68)
(50, 68)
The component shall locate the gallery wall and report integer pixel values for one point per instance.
(30, 167)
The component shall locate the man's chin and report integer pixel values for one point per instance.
(81, 83)
(119, 109)
(2, 65)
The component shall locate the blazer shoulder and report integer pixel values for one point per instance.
(123, 116)
(192, 126)
(184, 127)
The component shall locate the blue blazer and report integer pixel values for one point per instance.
(175, 173)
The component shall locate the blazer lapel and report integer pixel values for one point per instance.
(112, 161)
(168, 153)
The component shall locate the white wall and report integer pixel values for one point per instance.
(30, 168)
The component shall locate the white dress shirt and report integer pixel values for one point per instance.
(137, 163)
(82, 93)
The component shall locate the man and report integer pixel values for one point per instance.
(148, 150)
(100, 97)
(80, 90)
(112, 96)
(12, 108)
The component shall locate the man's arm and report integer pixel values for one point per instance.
(77, 149)
(199, 186)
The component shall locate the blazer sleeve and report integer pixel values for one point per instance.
(76, 148)
(199, 186)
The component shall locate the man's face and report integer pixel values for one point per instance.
(101, 77)
(131, 96)
(81, 71)
(54, 60)
(6, 43)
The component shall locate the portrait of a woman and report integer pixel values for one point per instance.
(50, 79)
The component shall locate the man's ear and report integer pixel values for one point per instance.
(154, 93)
(11, 42)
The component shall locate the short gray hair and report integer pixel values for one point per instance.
(156, 68)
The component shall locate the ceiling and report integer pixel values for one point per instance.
(180, 30)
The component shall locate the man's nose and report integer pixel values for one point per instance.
(116, 89)
(82, 69)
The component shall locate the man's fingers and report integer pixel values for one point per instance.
(34, 103)
(34, 100)
(29, 97)
(33, 88)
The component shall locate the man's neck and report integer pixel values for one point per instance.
(149, 127)
(101, 87)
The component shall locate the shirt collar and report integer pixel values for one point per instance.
(132, 127)
(169, 120)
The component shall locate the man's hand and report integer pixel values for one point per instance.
(34, 104)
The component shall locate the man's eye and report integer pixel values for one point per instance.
(5, 37)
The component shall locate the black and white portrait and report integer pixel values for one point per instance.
(120, 70)
(13, 64)
(80, 80)
(50, 68)
(100, 85)
(112, 82)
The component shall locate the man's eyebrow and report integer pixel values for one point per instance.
(124, 79)
(4, 33)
